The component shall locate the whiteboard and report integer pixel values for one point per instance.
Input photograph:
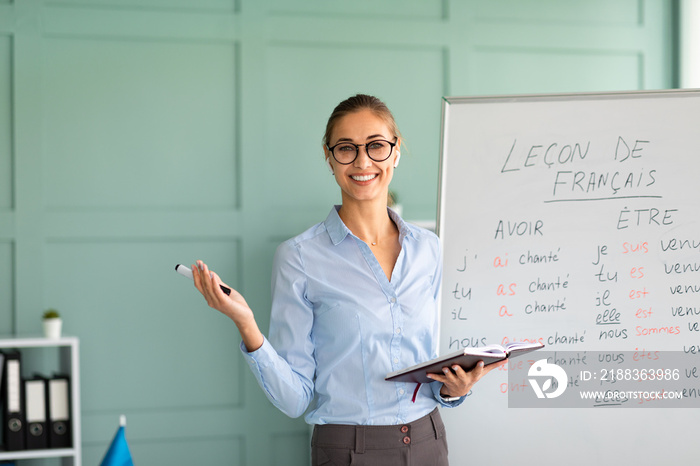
(570, 220)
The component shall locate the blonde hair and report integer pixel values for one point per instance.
(355, 104)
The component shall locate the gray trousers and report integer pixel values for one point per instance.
(419, 443)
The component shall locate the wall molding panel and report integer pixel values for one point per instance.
(6, 139)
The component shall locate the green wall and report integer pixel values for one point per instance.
(136, 134)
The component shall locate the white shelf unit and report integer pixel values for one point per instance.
(69, 355)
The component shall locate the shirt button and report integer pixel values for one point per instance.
(402, 391)
(398, 330)
(396, 360)
(393, 300)
(404, 429)
(407, 440)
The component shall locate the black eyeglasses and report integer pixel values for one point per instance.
(378, 150)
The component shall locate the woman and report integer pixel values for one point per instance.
(354, 298)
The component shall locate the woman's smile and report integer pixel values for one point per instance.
(363, 178)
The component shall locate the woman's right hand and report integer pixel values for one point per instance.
(233, 306)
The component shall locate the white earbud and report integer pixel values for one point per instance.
(398, 156)
(330, 167)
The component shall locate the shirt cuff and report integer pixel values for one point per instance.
(261, 357)
(435, 387)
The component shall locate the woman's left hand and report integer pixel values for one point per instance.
(458, 382)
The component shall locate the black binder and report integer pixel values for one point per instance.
(35, 413)
(13, 427)
(59, 415)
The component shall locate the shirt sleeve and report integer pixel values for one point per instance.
(284, 365)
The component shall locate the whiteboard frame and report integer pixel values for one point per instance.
(607, 417)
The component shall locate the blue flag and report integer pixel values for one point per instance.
(118, 453)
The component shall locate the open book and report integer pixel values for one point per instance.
(467, 358)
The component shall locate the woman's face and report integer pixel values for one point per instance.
(364, 179)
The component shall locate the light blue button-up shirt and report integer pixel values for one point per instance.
(338, 326)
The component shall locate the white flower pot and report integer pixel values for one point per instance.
(52, 328)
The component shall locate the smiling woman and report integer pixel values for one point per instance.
(354, 298)
(363, 178)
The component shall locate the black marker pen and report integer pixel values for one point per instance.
(187, 272)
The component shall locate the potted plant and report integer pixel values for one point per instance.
(52, 324)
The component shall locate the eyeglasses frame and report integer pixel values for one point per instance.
(357, 150)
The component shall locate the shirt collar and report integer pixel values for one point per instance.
(338, 231)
